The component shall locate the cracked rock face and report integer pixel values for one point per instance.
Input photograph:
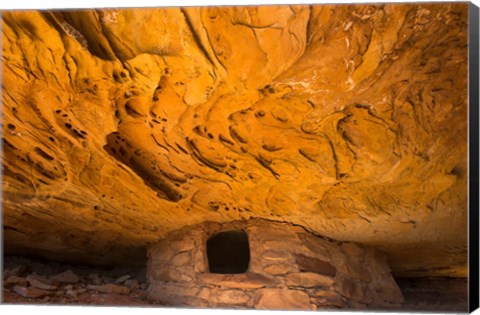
(120, 126)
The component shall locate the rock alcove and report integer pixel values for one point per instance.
(123, 126)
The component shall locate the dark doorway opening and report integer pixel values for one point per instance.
(228, 252)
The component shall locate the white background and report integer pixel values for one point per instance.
(82, 310)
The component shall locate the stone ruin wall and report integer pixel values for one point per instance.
(289, 269)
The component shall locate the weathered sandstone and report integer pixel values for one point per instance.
(121, 126)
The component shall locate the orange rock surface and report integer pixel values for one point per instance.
(121, 125)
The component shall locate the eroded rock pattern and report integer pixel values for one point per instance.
(120, 126)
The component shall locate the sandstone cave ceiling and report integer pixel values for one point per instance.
(120, 126)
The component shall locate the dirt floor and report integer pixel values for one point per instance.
(29, 281)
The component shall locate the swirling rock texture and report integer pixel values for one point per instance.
(122, 125)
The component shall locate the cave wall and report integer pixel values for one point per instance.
(122, 125)
(290, 269)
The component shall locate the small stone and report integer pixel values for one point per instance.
(16, 280)
(30, 292)
(280, 244)
(276, 255)
(237, 281)
(281, 299)
(322, 302)
(278, 269)
(326, 294)
(71, 293)
(132, 284)
(182, 259)
(166, 272)
(317, 248)
(66, 277)
(16, 271)
(42, 282)
(316, 265)
(183, 245)
(122, 279)
(109, 288)
(308, 280)
(95, 278)
(200, 261)
(171, 293)
(143, 286)
(234, 297)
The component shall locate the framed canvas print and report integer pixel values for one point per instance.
(305, 156)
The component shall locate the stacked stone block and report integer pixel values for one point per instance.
(290, 268)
